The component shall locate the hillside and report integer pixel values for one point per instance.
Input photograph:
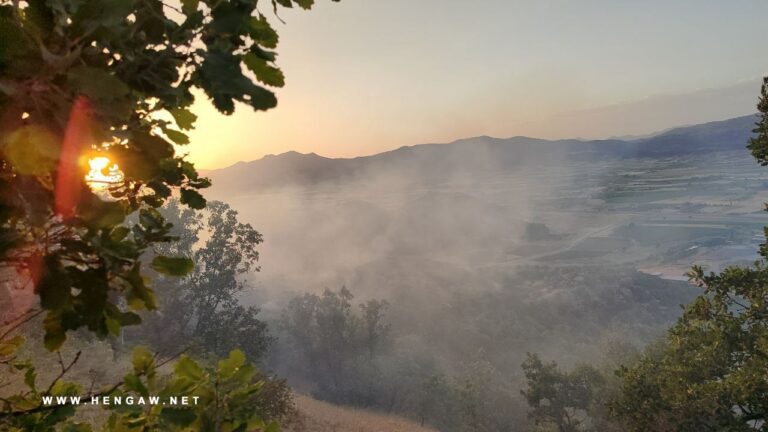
(317, 416)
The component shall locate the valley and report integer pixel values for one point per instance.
(486, 249)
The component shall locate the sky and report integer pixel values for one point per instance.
(366, 76)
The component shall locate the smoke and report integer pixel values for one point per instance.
(405, 226)
(486, 249)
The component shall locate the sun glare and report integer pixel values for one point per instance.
(102, 173)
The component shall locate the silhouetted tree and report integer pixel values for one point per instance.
(335, 345)
(204, 307)
(562, 399)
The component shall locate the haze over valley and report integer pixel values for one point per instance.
(488, 248)
(687, 195)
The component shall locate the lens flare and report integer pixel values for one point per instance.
(77, 137)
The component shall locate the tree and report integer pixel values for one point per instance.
(80, 79)
(709, 373)
(203, 307)
(437, 402)
(334, 345)
(758, 145)
(562, 399)
(375, 329)
(323, 330)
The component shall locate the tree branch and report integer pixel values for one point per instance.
(20, 323)
(42, 408)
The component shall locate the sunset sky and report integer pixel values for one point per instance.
(365, 76)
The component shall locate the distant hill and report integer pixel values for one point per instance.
(708, 137)
(437, 162)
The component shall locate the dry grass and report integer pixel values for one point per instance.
(317, 416)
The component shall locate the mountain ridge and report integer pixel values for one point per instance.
(436, 161)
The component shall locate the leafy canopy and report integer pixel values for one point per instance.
(87, 78)
(115, 77)
(224, 396)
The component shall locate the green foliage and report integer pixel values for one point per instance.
(23, 411)
(172, 266)
(759, 144)
(224, 397)
(709, 373)
(90, 77)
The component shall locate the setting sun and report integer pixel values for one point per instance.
(102, 173)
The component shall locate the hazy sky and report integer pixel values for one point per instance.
(364, 76)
